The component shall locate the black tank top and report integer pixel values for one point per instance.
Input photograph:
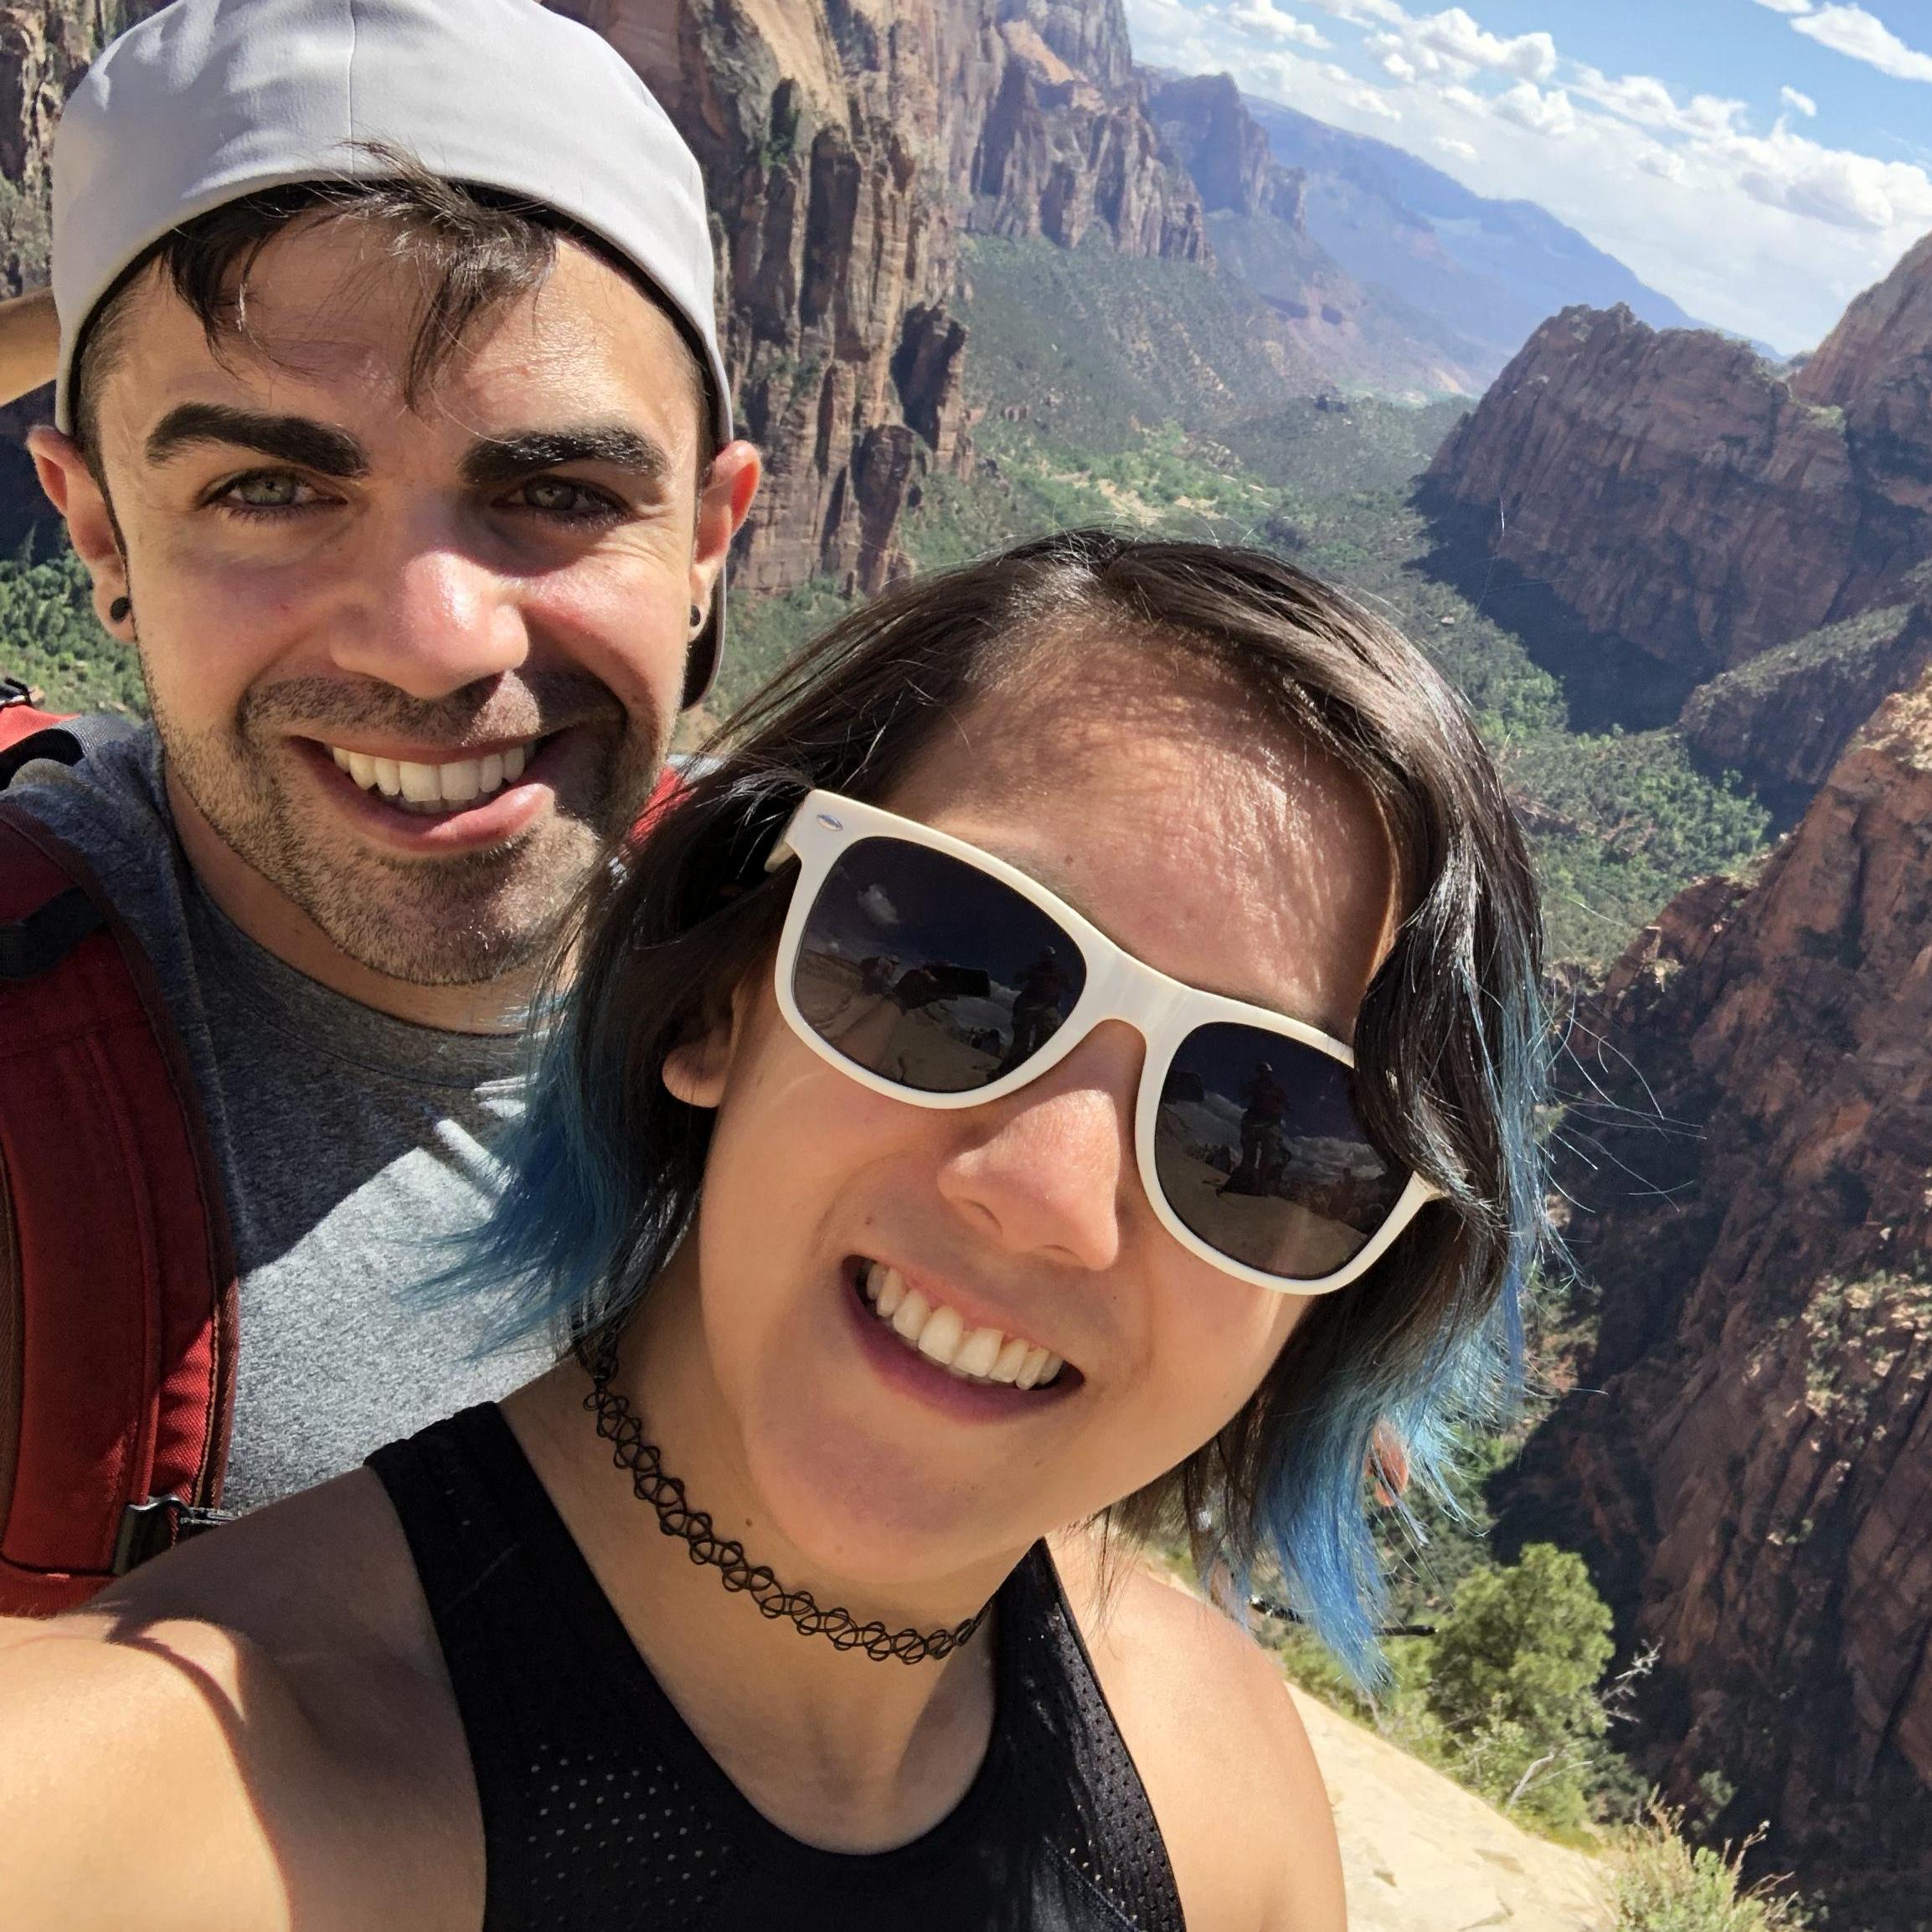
(602, 1812)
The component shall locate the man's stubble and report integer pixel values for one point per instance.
(462, 920)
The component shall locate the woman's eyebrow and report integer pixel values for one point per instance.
(300, 440)
(497, 460)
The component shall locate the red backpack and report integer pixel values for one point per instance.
(117, 1281)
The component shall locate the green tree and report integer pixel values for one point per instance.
(1514, 1683)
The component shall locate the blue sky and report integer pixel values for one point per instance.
(1760, 161)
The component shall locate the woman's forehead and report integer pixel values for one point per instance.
(1221, 849)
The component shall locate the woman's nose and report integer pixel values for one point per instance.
(1047, 1169)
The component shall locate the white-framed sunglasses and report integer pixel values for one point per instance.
(938, 975)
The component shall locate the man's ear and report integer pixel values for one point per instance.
(723, 502)
(75, 491)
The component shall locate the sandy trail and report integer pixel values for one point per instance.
(1420, 1854)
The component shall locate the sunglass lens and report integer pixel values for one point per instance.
(929, 971)
(1258, 1152)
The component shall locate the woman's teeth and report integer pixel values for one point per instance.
(426, 788)
(939, 1334)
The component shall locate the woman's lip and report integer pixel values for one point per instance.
(505, 814)
(910, 1373)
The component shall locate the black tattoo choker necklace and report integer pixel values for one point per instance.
(623, 1429)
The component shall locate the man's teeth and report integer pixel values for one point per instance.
(940, 1334)
(435, 787)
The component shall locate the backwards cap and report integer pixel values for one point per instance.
(209, 101)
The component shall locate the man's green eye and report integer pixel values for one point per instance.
(557, 497)
(266, 492)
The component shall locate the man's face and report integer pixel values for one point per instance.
(414, 666)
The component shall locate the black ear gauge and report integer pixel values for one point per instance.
(121, 609)
(697, 617)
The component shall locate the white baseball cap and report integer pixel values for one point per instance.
(209, 101)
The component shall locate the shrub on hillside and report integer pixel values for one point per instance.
(1660, 1884)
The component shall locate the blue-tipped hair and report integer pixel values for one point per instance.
(605, 1171)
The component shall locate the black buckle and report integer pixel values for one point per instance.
(30, 946)
(150, 1527)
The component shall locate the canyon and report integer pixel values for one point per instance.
(1747, 1460)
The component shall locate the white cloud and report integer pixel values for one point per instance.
(1528, 106)
(1787, 6)
(1264, 17)
(1856, 192)
(1451, 44)
(1642, 98)
(1803, 103)
(1864, 37)
(1453, 144)
(1357, 12)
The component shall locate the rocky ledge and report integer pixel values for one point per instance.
(1677, 490)
(1747, 1461)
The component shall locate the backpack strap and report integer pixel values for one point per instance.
(27, 732)
(117, 1278)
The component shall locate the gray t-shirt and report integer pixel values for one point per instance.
(348, 1142)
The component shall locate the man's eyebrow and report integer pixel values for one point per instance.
(497, 460)
(289, 438)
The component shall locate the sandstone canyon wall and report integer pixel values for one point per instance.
(846, 145)
(1747, 1461)
(45, 46)
(1207, 124)
(1679, 492)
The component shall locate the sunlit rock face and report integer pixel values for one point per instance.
(1206, 122)
(1677, 490)
(1747, 1461)
(846, 146)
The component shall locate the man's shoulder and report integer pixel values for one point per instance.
(109, 809)
(1206, 1715)
(100, 775)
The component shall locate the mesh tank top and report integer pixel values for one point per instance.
(602, 1812)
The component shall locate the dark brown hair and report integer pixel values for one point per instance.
(606, 1169)
(476, 250)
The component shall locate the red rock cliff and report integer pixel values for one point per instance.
(1750, 1469)
(1674, 488)
(1207, 123)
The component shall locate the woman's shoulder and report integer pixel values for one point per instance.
(259, 1703)
(1206, 1715)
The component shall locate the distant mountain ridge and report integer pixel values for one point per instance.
(1492, 270)
(1710, 516)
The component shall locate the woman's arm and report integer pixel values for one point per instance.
(29, 343)
(132, 1769)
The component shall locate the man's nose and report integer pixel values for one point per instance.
(1048, 1171)
(431, 617)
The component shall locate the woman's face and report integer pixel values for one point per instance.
(1142, 796)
